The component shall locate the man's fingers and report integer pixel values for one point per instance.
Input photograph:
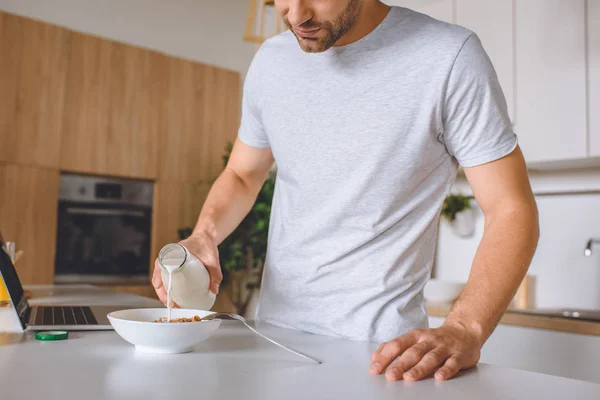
(158, 285)
(214, 271)
(156, 277)
(407, 360)
(216, 276)
(429, 363)
(205, 249)
(378, 351)
(162, 295)
(450, 368)
(390, 352)
(442, 352)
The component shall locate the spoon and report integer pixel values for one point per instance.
(236, 317)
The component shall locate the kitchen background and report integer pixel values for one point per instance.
(70, 72)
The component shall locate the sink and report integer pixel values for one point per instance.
(570, 313)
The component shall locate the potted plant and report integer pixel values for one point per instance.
(243, 252)
(458, 212)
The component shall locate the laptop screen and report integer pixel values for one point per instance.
(13, 286)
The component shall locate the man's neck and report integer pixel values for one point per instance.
(369, 17)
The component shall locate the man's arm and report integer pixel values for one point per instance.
(230, 199)
(234, 192)
(509, 241)
(510, 238)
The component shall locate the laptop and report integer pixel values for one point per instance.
(47, 317)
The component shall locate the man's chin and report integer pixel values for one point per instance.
(312, 46)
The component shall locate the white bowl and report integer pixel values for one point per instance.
(135, 326)
(442, 292)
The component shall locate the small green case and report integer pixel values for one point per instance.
(52, 335)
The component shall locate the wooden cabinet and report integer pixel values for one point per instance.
(75, 102)
(82, 103)
(134, 111)
(200, 114)
(551, 79)
(222, 112)
(10, 49)
(86, 125)
(184, 147)
(492, 21)
(593, 25)
(438, 9)
(28, 212)
(32, 84)
(111, 123)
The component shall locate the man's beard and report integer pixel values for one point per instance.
(334, 30)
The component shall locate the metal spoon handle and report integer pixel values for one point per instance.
(236, 317)
(297, 352)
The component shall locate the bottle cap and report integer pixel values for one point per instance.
(52, 335)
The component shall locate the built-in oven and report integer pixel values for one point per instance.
(104, 230)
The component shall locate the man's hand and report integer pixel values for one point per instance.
(205, 249)
(418, 354)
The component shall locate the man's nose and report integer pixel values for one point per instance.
(298, 13)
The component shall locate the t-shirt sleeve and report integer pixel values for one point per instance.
(252, 131)
(477, 128)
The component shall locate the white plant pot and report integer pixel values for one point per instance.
(252, 305)
(464, 223)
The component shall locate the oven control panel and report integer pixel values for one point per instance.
(93, 189)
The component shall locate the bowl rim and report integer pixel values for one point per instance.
(112, 317)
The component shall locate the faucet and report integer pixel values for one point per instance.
(588, 248)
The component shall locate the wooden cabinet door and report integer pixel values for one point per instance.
(551, 79)
(438, 9)
(594, 76)
(28, 216)
(111, 122)
(184, 151)
(10, 27)
(200, 113)
(87, 104)
(492, 21)
(133, 130)
(32, 82)
(222, 113)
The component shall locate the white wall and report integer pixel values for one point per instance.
(563, 277)
(208, 31)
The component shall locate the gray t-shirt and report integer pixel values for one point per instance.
(367, 139)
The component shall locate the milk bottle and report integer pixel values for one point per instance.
(185, 277)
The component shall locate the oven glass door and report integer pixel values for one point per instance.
(99, 243)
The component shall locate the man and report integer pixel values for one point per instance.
(367, 111)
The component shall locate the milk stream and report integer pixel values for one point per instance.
(170, 268)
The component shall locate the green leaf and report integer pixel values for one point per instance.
(453, 204)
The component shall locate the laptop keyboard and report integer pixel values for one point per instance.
(46, 315)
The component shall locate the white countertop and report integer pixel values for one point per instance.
(236, 364)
